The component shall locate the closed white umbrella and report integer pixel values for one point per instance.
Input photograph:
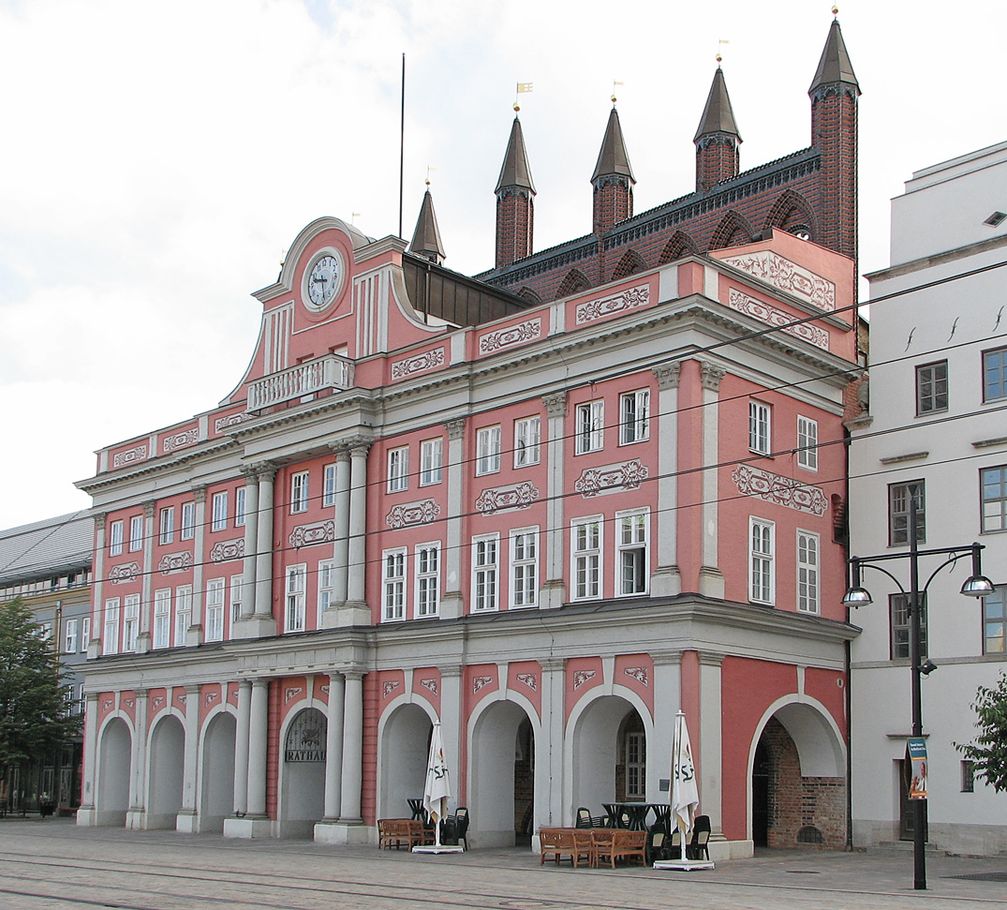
(437, 788)
(684, 791)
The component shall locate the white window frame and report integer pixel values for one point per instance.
(431, 461)
(636, 769)
(214, 627)
(326, 586)
(634, 417)
(527, 441)
(488, 443)
(294, 586)
(299, 492)
(70, 636)
(161, 633)
(329, 486)
(130, 622)
(807, 443)
(427, 582)
(485, 573)
(219, 511)
(166, 526)
(809, 572)
(183, 613)
(188, 527)
(398, 469)
(110, 634)
(85, 633)
(393, 585)
(762, 561)
(523, 568)
(760, 427)
(239, 506)
(135, 533)
(235, 594)
(115, 530)
(637, 523)
(590, 426)
(587, 570)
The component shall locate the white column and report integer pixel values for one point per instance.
(452, 605)
(667, 700)
(138, 761)
(353, 730)
(554, 589)
(356, 611)
(257, 748)
(264, 545)
(549, 765)
(334, 747)
(241, 748)
(667, 581)
(146, 603)
(451, 722)
(85, 814)
(341, 546)
(189, 758)
(251, 543)
(195, 633)
(711, 580)
(94, 644)
(711, 740)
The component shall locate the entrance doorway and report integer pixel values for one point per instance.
(760, 796)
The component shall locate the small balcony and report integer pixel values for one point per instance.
(298, 382)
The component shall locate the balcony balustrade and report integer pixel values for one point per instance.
(308, 378)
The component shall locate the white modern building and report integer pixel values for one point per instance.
(936, 422)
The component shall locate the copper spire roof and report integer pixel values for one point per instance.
(515, 170)
(835, 64)
(427, 236)
(718, 115)
(613, 159)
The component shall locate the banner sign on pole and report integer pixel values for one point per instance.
(916, 751)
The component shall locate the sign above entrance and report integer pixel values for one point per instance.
(306, 738)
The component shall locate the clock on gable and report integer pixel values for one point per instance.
(323, 280)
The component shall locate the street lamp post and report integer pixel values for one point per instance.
(976, 585)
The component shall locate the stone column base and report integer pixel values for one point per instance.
(353, 613)
(342, 834)
(666, 582)
(248, 827)
(711, 582)
(254, 627)
(85, 817)
(552, 595)
(136, 820)
(187, 822)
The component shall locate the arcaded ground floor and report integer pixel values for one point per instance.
(52, 865)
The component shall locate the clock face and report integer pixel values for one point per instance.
(323, 282)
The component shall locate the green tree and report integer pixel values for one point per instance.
(33, 716)
(989, 751)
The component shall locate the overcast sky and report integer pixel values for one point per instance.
(157, 159)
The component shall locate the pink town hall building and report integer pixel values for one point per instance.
(546, 525)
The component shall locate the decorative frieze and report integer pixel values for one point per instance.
(226, 550)
(788, 276)
(120, 575)
(583, 676)
(639, 674)
(523, 332)
(812, 334)
(417, 363)
(594, 310)
(310, 534)
(611, 478)
(507, 499)
(172, 563)
(180, 440)
(130, 456)
(783, 491)
(412, 513)
(231, 420)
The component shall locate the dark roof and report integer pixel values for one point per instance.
(718, 115)
(46, 548)
(515, 170)
(458, 299)
(613, 159)
(427, 236)
(835, 65)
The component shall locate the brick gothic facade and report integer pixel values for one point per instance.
(811, 192)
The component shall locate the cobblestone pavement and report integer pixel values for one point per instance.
(53, 865)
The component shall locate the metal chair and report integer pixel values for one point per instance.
(583, 818)
(462, 826)
(699, 845)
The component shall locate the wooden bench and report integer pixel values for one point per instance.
(620, 844)
(559, 844)
(398, 832)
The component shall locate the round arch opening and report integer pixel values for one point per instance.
(114, 759)
(405, 747)
(216, 799)
(167, 761)
(302, 783)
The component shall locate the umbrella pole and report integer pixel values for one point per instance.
(683, 832)
(437, 823)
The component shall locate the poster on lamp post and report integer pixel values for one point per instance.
(916, 752)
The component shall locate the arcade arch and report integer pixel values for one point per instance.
(216, 797)
(167, 760)
(114, 760)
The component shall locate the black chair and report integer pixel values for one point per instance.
(699, 846)
(583, 818)
(462, 826)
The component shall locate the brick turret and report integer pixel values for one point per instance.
(427, 236)
(612, 179)
(717, 138)
(515, 194)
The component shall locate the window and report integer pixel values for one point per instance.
(428, 560)
(898, 512)
(294, 614)
(219, 511)
(85, 633)
(636, 765)
(901, 621)
(761, 555)
(130, 621)
(487, 450)
(634, 416)
(393, 584)
(326, 583)
(398, 469)
(183, 613)
(968, 776)
(166, 533)
(239, 507)
(995, 621)
(759, 427)
(237, 587)
(632, 551)
(994, 491)
(807, 572)
(188, 520)
(115, 538)
(431, 460)
(590, 427)
(932, 388)
(215, 609)
(135, 533)
(299, 492)
(329, 486)
(524, 567)
(807, 443)
(70, 636)
(527, 436)
(162, 617)
(484, 573)
(586, 558)
(994, 374)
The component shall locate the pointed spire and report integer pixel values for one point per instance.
(835, 66)
(427, 236)
(613, 159)
(515, 170)
(718, 115)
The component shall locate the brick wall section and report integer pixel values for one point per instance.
(797, 802)
(613, 203)
(515, 226)
(272, 746)
(369, 750)
(834, 132)
(717, 159)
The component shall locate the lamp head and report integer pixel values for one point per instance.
(927, 668)
(977, 585)
(857, 597)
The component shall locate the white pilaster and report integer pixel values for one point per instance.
(451, 719)
(94, 644)
(263, 607)
(711, 580)
(711, 741)
(353, 730)
(667, 581)
(452, 606)
(136, 814)
(553, 591)
(340, 549)
(85, 814)
(186, 818)
(257, 727)
(146, 603)
(251, 543)
(329, 830)
(195, 634)
(549, 777)
(241, 748)
(667, 701)
(355, 611)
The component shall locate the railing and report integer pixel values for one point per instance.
(328, 372)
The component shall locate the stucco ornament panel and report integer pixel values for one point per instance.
(523, 332)
(784, 491)
(412, 513)
(180, 440)
(292, 692)
(529, 679)
(309, 534)
(507, 499)
(788, 276)
(430, 685)
(158, 702)
(389, 686)
(130, 456)
(418, 363)
(594, 310)
(171, 563)
(231, 420)
(226, 550)
(582, 677)
(611, 478)
(481, 682)
(119, 575)
(812, 334)
(639, 674)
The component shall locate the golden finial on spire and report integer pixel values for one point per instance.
(520, 89)
(835, 10)
(430, 168)
(615, 82)
(720, 43)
